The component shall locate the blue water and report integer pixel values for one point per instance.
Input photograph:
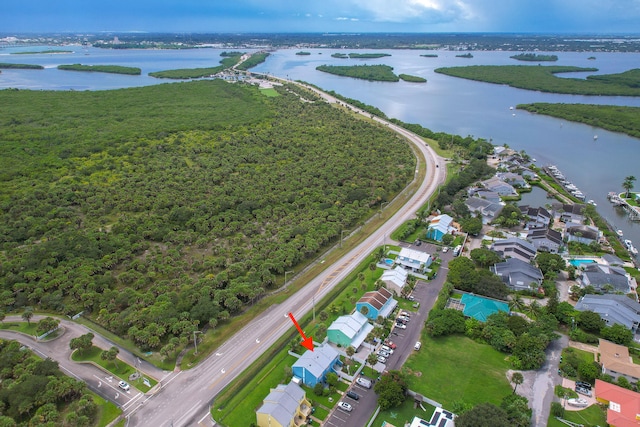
(579, 262)
(388, 261)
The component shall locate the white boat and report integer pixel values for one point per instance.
(578, 402)
(591, 202)
(628, 243)
(619, 233)
(595, 137)
(510, 108)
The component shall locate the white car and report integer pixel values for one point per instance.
(345, 406)
(387, 349)
(124, 385)
(382, 359)
(401, 326)
(383, 353)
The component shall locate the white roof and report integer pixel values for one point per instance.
(349, 324)
(398, 276)
(412, 254)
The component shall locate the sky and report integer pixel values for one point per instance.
(356, 16)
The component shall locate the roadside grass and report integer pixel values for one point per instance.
(403, 414)
(118, 368)
(321, 413)
(342, 386)
(456, 368)
(24, 327)
(592, 416)
(107, 411)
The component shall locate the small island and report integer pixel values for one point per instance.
(412, 79)
(532, 57)
(591, 58)
(52, 51)
(380, 73)
(340, 55)
(368, 55)
(429, 55)
(113, 69)
(252, 61)
(303, 53)
(226, 54)
(21, 66)
(187, 73)
(465, 55)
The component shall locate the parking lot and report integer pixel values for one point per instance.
(361, 408)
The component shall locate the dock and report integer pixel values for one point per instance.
(632, 211)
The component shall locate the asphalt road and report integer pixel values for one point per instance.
(186, 397)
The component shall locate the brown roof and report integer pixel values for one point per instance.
(376, 298)
(616, 358)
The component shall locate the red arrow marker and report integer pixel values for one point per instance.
(306, 341)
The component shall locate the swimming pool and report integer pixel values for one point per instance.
(579, 262)
(388, 261)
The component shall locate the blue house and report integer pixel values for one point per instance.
(481, 308)
(313, 366)
(439, 226)
(376, 303)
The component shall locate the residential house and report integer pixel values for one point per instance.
(529, 174)
(545, 239)
(313, 366)
(605, 278)
(513, 179)
(514, 248)
(623, 405)
(518, 275)
(571, 213)
(482, 193)
(414, 260)
(285, 406)
(439, 226)
(480, 308)
(581, 233)
(483, 208)
(349, 330)
(439, 418)
(497, 185)
(395, 279)
(376, 303)
(612, 260)
(536, 217)
(617, 362)
(612, 309)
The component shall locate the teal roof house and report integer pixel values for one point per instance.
(439, 226)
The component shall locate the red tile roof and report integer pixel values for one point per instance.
(624, 405)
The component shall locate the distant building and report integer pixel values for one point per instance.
(623, 406)
(377, 303)
(395, 279)
(485, 194)
(414, 260)
(480, 308)
(545, 239)
(514, 248)
(313, 366)
(605, 278)
(349, 330)
(612, 309)
(518, 275)
(571, 213)
(285, 406)
(513, 179)
(439, 226)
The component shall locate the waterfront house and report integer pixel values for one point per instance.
(514, 248)
(497, 185)
(605, 278)
(571, 213)
(395, 280)
(439, 226)
(518, 275)
(285, 406)
(376, 303)
(349, 330)
(313, 366)
(414, 260)
(485, 194)
(536, 217)
(581, 233)
(612, 260)
(483, 208)
(513, 179)
(545, 239)
(612, 309)
(617, 362)
(623, 405)
(480, 308)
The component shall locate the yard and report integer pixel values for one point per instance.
(458, 369)
(590, 417)
(403, 414)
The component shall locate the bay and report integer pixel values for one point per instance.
(444, 103)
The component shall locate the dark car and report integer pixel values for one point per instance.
(353, 395)
(583, 384)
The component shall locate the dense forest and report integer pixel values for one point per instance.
(34, 392)
(160, 209)
(610, 117)
(21, 66)
(253, 60)
(543, 79)
(229, 59)
(533, 57)
(115, 69)
(380, 73)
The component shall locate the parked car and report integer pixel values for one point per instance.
(353, 395)
(584, 384)
(418, 242)
(405, 314)
(583, 390)
(382, 359)
(401, 326)
(417, 346)
(445, 249)
(391, 344)
(383, 353)
(345, 406)
(124, 385)
(387, 349)
(411, 298)
(364, 382)
(404, 319)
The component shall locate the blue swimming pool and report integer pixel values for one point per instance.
(579, 262)
(388, 261)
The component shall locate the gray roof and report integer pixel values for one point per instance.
(512, 245)
(614, 308)
(282, 403)
(612, 259)
(487, 207)
(545, 233)
(584, 230)
(599, 275)
(317, 361)
(517, 273)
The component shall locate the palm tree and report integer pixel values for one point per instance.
(517, 379)
(516, 303)
(627, 184)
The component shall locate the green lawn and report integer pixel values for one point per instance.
(457, 368)
(403, 414)
(591, 417)
(107, 411)
(24, 327)
(118, 368)
(269, 92)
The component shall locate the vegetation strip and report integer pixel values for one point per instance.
(114, 69)
(21, 66)
(381, 73)
(532, 57)
(412, 79)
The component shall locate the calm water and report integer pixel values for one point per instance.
(443, 104)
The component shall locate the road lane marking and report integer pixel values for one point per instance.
(188, 413)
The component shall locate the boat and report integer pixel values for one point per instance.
(578, 402)
(619, 233)
(628, 243)
(595, 137)
(591, 202)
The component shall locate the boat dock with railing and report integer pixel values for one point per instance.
(632, 211)
(570, 188)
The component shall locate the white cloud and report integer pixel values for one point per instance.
(415, 10)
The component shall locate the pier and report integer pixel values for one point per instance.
(632, 211)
